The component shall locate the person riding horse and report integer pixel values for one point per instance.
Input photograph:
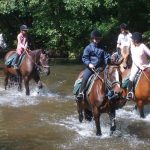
(94, 56)
(139, 53)
(124, 43)
(22, 44)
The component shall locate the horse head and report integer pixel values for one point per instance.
(113, 81)
(44, 62)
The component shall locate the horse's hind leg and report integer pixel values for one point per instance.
(26, 83)
(141, 108)
(96, 114)
(20, 83)
(112, 115)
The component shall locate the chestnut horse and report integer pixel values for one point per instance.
(142, 88)
(96, 101)
(32, 63)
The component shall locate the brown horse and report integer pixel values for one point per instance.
(142, 88)
(96, 102)
(32, 63)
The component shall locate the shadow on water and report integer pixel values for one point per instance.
(49, 120)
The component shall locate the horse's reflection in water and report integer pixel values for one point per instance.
(33, 62)
(97, 102)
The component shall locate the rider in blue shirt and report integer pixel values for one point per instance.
(94, 56)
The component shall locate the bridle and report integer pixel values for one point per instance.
(109, 84)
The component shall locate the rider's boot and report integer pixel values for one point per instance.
(16, 61)
(80, 96)
(130, 94)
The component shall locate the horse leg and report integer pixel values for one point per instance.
(6, 81)
(141, 108)
(112, 115)
(80, 110)
(96, 114)
(88, 114)
(26, 83)
(38, 81)
(20, 83)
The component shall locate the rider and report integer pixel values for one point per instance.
(22, 43)
(139, 53)
(94, 56)
(124, 41)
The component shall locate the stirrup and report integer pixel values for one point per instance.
(130, 95)
(80, 96)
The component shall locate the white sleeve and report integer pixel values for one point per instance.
(146, 50)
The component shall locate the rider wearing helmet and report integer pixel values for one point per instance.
(140, 54)
(22, 43)
(124, 43)
(94, 56)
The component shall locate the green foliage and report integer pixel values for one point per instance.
(64, 26)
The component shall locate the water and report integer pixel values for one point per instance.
(49, 120)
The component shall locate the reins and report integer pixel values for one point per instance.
(97, 75)
(143, 72)
(38, 66)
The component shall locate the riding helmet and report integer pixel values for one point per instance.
(137, 37)
(96, 34)
(23, 28)
(124, 26)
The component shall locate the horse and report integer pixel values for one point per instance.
(33, 62)
(142, 88)
(96, 101)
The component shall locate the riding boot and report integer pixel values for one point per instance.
(16, 61)
(81, 91)
(130, 94)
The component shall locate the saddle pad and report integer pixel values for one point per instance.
(88, 86)
(10, 60)
(77, 86)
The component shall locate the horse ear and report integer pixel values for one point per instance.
(43, 51)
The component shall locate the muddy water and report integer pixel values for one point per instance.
(49, 120)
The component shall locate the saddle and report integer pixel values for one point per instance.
(88, 86)
(10, 61)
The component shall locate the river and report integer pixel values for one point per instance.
(49, 120)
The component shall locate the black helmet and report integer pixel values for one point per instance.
(124, 26)
(96, 34)
(137, 37)
(23, 28)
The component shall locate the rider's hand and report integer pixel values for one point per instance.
(142, 68)
(91, 66)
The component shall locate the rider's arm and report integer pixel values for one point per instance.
(20, 42)
(146, 50)
(86, 56)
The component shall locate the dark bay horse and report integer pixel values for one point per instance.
(97, 102)
(33, 62)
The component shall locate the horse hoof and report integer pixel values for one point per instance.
(98, 133)
(113, 128)
(80, 118)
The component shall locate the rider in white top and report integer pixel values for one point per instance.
(139, 53)
(124, 38)
(124, 43)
